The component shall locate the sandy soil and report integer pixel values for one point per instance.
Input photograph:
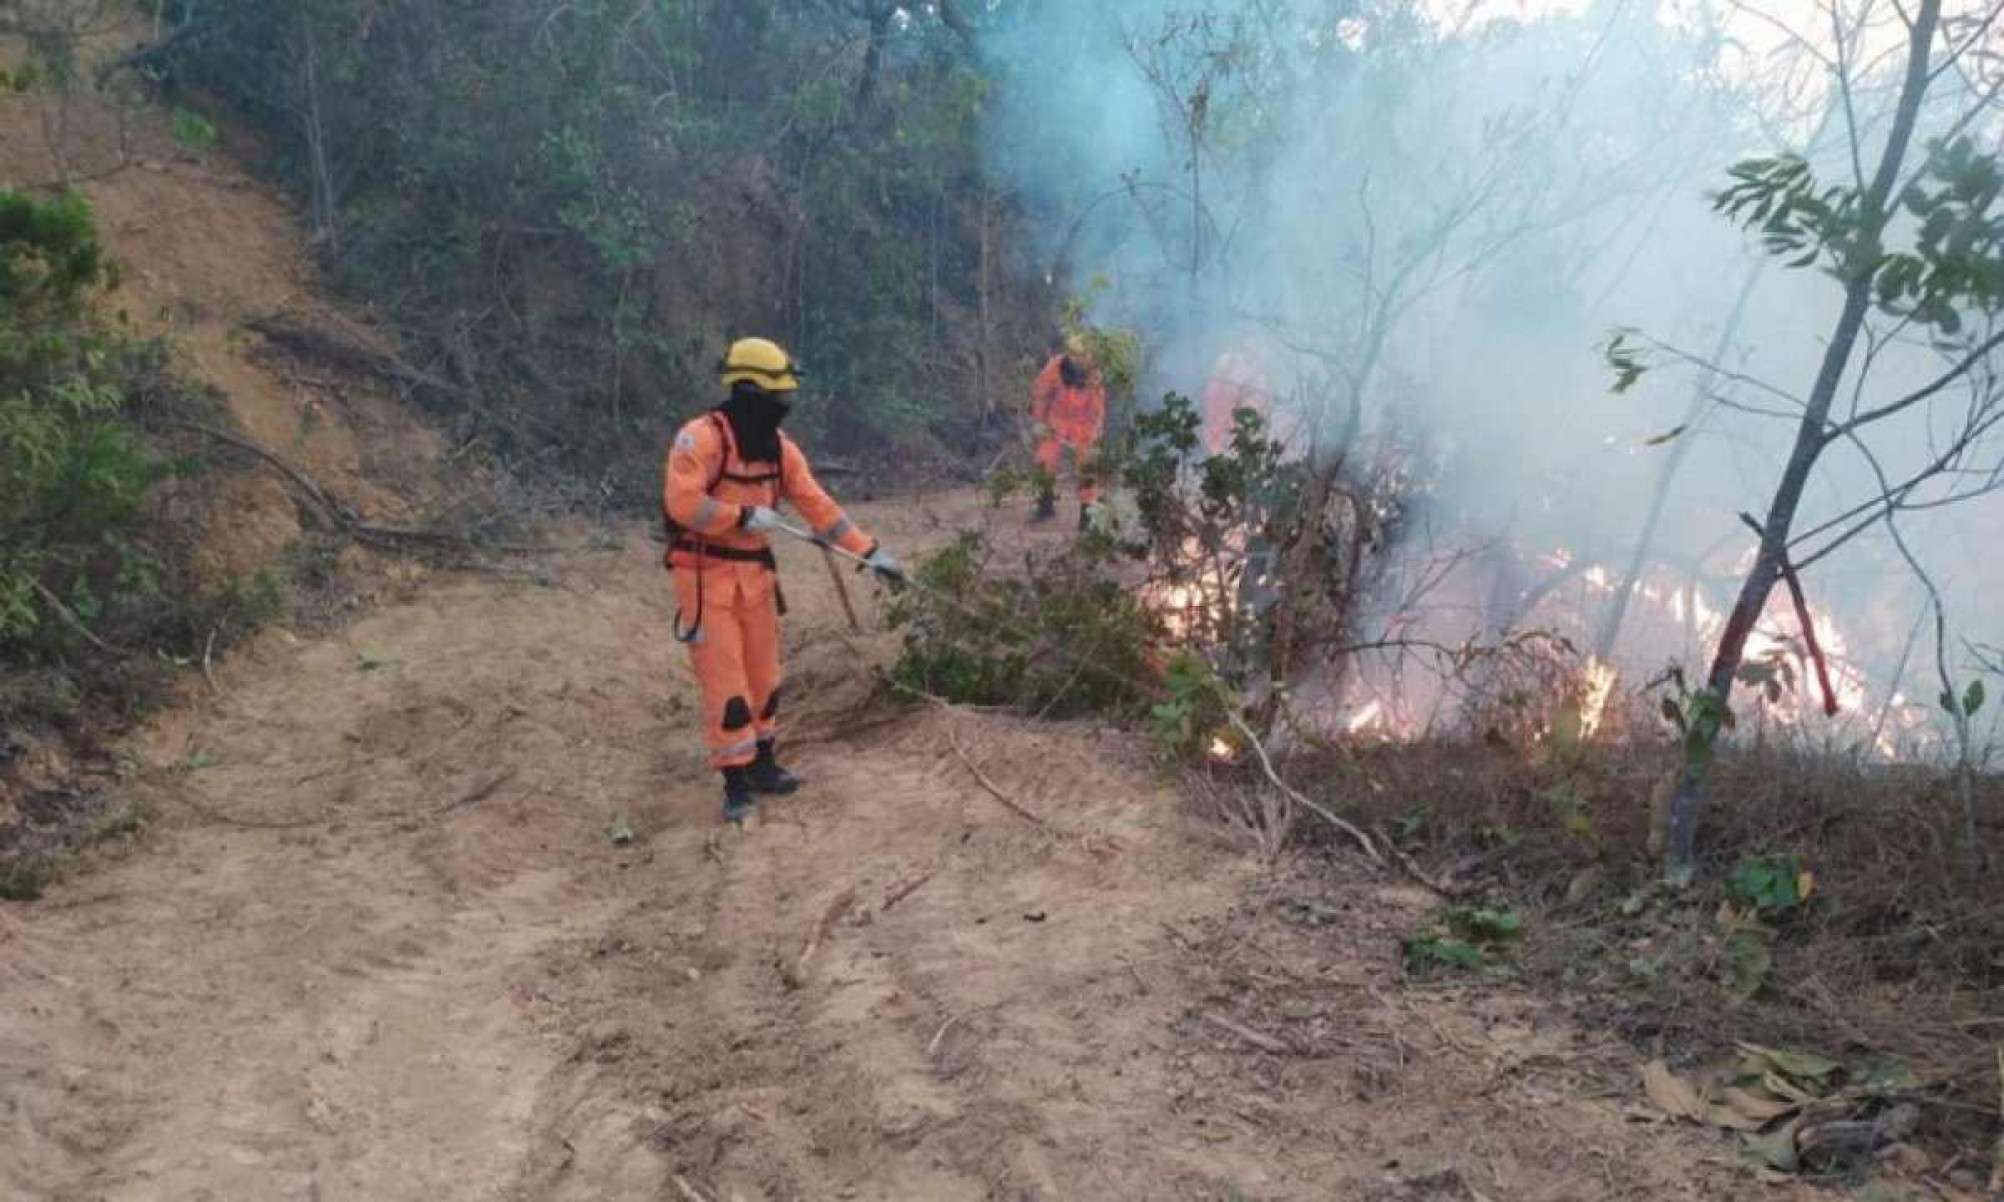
(376, 942)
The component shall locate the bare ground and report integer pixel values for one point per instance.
(377, 942)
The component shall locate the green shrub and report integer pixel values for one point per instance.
(194, 131)
(95, 600)
(517, 191)
(1063, 639)
(1462, 938)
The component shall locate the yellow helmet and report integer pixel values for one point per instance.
(762, 362)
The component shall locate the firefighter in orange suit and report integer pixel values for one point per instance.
(1236, 383)
(727, 474)
(1068, 409)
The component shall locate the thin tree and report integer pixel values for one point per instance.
(1952, 265)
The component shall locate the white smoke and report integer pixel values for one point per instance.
(1447, 216)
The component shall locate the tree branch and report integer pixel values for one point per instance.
(1962, 368)
(1808, 623)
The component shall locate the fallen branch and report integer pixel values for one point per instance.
(1412, 869)
(299, 479)
(1320, 811)
(208, 661)
(905, 889)
(71, 619)
(1260, 1040)
(932, 1047)
(480, 794)
(795, 974)
(981, 778)
(314, 343)
(342, 516)
(153, 52)
(689, 1192)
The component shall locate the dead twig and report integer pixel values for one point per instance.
(71, 620)
(689, 1192)
(342, 516)
(795, 974)
(1320, 811)
(905, 889)
(932, 1046)
(1412, 869)
(1260, 1040)
(981, 778)
(208, 661)
(480, 794)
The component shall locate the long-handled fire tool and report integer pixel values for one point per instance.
(828, 553)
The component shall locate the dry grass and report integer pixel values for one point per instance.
(1893, 957)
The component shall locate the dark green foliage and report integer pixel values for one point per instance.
(1955, 262)
(1462, 938)
(1220, 528)
(569, 208)
(1064, 639)
(50, 257)
(73, 472)
(1768, 885)
(92, 592)
(1197, 709)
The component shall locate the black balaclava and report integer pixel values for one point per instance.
(1073, 372)
(755, 415)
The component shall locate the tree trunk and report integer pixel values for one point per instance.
(880, 17)
(984, 355)
(326, 218)
(1811, 437)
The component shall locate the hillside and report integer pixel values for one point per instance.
(415, 888)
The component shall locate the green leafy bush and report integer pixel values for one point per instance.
(1462, 938)
(92, 593)
(571, 206)
(194, 131)
(1062, 639)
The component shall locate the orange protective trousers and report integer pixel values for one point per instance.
(735, 655)
(725, 585)
(1050, 455)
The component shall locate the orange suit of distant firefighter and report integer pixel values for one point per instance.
(726, 586)
(1236, 383)
(1069, 401)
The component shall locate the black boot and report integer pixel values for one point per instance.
(1085, 517)
(767, 776)
(1047, 508)
(739, 803)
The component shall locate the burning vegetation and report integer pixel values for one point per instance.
(1558, 454)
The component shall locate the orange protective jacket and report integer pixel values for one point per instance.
(1075, 415)
(707, 488)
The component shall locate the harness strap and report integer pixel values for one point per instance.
(702, 548)
(762, 555)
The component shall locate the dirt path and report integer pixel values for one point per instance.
(376, 944)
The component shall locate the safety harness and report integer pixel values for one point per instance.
(681, 538)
